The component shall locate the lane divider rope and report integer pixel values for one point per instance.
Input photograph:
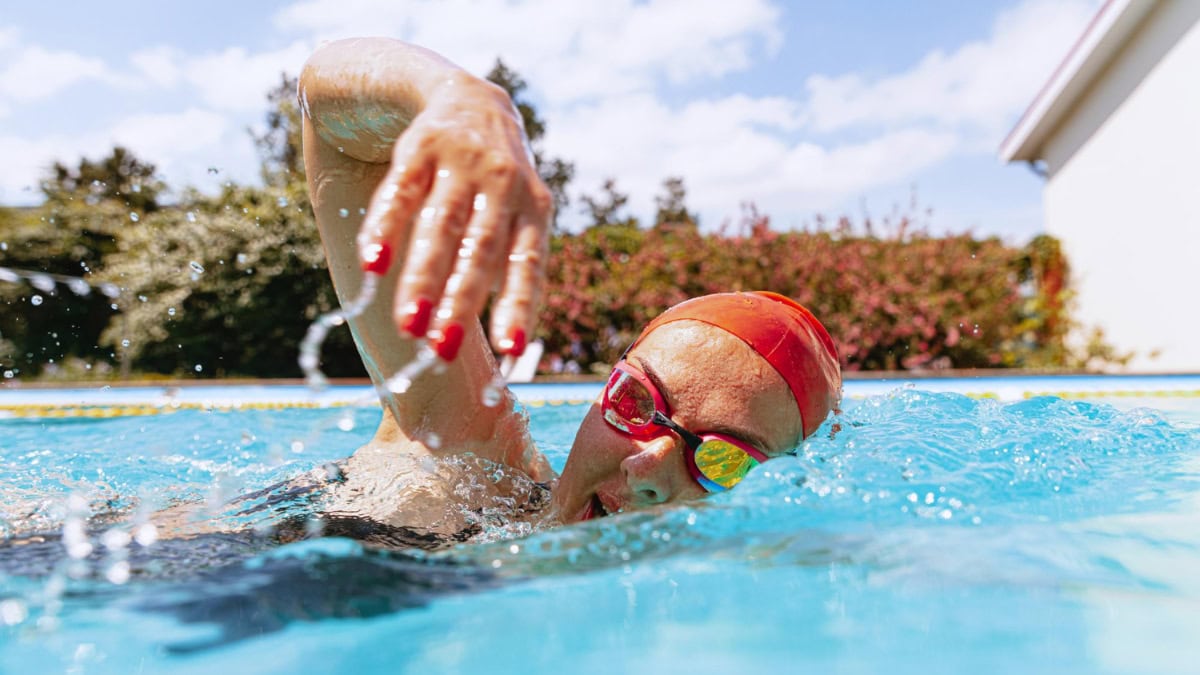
(95, 411)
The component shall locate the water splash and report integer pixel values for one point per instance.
(49, 283)
(310, 347)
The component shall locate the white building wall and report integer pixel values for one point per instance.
(1123, 193)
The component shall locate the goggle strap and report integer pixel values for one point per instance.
(692, 440)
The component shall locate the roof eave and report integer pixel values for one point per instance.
(1101, 40)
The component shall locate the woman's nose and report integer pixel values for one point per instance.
(648, 472)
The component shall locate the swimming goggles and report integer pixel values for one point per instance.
(634, 406)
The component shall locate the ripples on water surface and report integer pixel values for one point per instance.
(930, 533)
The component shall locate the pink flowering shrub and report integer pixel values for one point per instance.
(904, 301)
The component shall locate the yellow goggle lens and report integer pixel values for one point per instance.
(723, 462)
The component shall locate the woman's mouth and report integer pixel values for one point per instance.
(593, 509)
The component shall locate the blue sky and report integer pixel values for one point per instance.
(803, 108)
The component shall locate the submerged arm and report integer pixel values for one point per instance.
(418, 170)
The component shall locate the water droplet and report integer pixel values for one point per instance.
(35, 300)
(199, 367)
(145, 534)
(8, 374)
(170, 311)
(433, 441)
(493, 392)
(115, 539)
(13, 612)
(110, 290)
(297, 447)
(79, 287)
(282, 201)
(346, 421)
(196, 267)
(118, 572)
(134, 216)
(124, 343)
(344, 213)
(191, 217)
(314, 527)
(42, 282)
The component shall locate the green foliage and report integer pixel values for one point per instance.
(120, 177)
(906, 301)
(280, 144)
(672, 209)
(87, 209)
(229, 284)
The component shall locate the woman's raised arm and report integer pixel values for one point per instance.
(419, 171)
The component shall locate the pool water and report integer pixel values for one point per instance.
(930, 532)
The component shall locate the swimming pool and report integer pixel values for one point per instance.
(946, 526)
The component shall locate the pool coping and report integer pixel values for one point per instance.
(145, 398)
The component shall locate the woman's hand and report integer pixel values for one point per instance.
(464, 197)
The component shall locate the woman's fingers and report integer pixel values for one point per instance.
(515, 312)
(465, 201)
(399, 195)
(436, 237)
(477, 261)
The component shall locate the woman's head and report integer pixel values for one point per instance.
(753, 369)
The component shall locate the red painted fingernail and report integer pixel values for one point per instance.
(516, 342)
(416, 317)
(447, 345)
(377, 258)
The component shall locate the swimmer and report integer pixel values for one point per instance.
(419, 173)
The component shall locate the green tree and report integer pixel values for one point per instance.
(554, 171)
(52, 321)
(672, 207)
(230, 283)
(607, 209)
(280, 144)
(119, 177)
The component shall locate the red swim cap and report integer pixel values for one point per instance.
(784, 333)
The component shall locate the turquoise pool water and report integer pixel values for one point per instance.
(933, 532)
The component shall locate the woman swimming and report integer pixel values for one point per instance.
(419, 174)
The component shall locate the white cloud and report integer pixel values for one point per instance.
(35, 73)
(729, 151)
(182, 145)
(572, 50)
(600, 70)
(159, 65)
(982, 85)
(237, 80)
(28, 160)
(162, 135)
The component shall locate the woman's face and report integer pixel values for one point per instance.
(711, 382)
